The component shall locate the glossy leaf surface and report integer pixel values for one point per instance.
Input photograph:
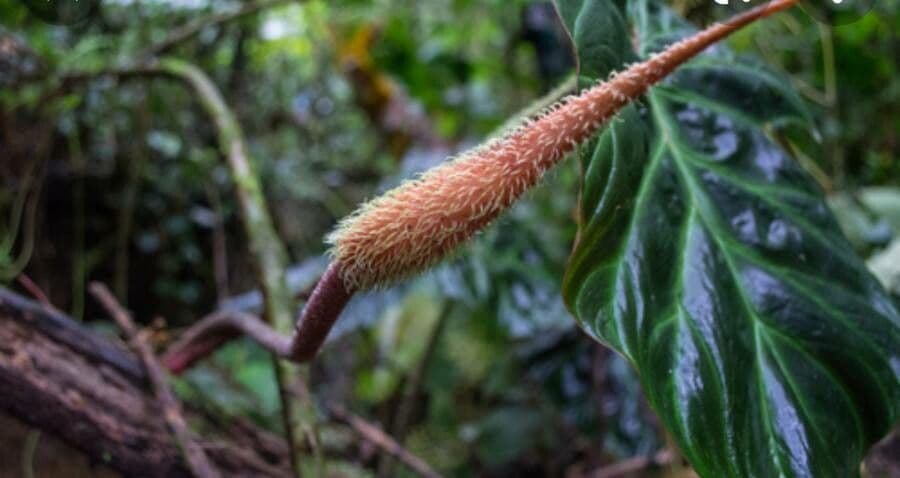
(708, 257)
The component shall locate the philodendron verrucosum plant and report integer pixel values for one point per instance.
(705, 255)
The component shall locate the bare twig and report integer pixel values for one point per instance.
(49, 360)
(35, 291)
(325, 305)
(265, 245)
(193, 452)
(193, 28)
(376, 436)
(212, 331)
(631, 465)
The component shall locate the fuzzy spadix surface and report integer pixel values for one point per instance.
(418, 223)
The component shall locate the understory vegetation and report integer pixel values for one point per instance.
(709, 285)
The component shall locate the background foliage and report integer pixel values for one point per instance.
(476, 367)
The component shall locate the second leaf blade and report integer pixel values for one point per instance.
(709, 259)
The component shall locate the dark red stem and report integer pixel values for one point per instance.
(322, 310)
(180, 358)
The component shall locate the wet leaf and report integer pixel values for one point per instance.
(709, 259)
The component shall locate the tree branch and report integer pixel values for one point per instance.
(193, 453)
(631, 465)
(323, 308)
(382, 440)
(35, 291)
(265, 245)
(212, 331)
(194, 27)
(58, 376)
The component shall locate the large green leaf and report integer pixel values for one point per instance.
(709, 259)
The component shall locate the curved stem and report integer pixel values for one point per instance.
(322, 310)
(213, 331)
(325, 304)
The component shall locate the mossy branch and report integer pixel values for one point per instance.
(270, 257)
(265, 245)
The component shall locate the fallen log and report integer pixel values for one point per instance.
(92, 394)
